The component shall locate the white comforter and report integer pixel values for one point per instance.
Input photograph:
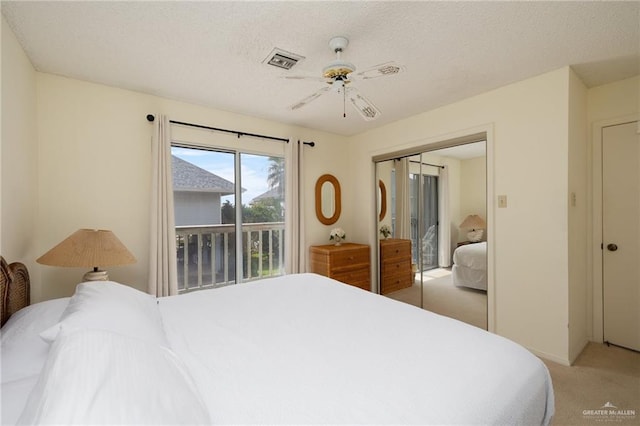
(305, 349)
(472, 256)
(298, 349)
(470, 266)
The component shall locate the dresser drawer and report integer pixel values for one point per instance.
(395, 267)
(349, 258)
(396, 282)
(348, 263)
(365, 285)
(357, 274)
(402, 248)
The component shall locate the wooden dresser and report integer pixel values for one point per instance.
(395, 265)
(348, 263)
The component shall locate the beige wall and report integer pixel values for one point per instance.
(473, 190)
(18, 153)
(579, 327)
(527, 127)
(613, 100)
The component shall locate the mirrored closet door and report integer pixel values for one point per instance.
(432, 231)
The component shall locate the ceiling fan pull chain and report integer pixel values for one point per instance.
(344, 102)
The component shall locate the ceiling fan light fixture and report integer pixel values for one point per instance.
(337, 85)
(338, 68)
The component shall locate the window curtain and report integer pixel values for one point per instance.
(444, 231)
(295, 247)
(403, 210)
(163, 270)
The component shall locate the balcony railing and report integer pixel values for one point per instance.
(207, 255)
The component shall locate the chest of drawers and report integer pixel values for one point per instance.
(395, 265)
(347, 262)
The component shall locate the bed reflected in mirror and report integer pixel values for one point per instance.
(428, 196)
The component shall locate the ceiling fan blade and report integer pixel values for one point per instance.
(382, 70)
(304, 77)
(367, 110)
(310, 98)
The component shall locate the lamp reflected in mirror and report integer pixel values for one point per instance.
(476, 226)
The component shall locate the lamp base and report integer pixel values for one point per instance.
(475, 235)
(96, 276)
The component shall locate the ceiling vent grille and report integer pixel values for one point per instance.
(282, 59)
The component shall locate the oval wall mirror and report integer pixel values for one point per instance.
(382, 203)
(328, 202)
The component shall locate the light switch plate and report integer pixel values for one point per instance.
(502, 201)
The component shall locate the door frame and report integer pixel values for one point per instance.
(595, 238)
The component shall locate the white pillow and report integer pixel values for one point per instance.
(23, 351)
(107, 305)
(100, 377)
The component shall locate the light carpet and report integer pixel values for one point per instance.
(602, 387)
(439, 295)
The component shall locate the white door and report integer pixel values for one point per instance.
(621, 234)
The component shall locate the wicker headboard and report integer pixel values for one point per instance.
(14, 288)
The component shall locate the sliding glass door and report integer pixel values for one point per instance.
(262, 218)
(426, 219)
(229, 211)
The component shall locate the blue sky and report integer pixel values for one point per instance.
(254, 169)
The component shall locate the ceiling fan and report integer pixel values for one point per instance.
(339, 74)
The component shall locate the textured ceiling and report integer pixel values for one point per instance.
(212, 53)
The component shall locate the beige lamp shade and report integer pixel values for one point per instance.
(473, 221)
(475, 224)
(89, 248)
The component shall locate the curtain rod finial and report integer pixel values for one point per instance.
(150, 118)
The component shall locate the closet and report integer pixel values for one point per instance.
(423, 198)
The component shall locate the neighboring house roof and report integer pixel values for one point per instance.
(189, 177)
(272, 193)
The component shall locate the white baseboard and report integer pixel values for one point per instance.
(550, 357)
(578, 350)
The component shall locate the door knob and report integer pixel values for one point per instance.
(612, 247)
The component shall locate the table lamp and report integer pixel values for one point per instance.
(475, 224)
(89, 248)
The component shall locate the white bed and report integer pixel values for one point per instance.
(289, 350)
(470, 266)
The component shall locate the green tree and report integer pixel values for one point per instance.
(228, 212)
(275, 174)
(265, 210)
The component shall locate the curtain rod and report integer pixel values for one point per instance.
(151, 118)
(427, 164)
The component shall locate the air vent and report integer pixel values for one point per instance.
(282, 59)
